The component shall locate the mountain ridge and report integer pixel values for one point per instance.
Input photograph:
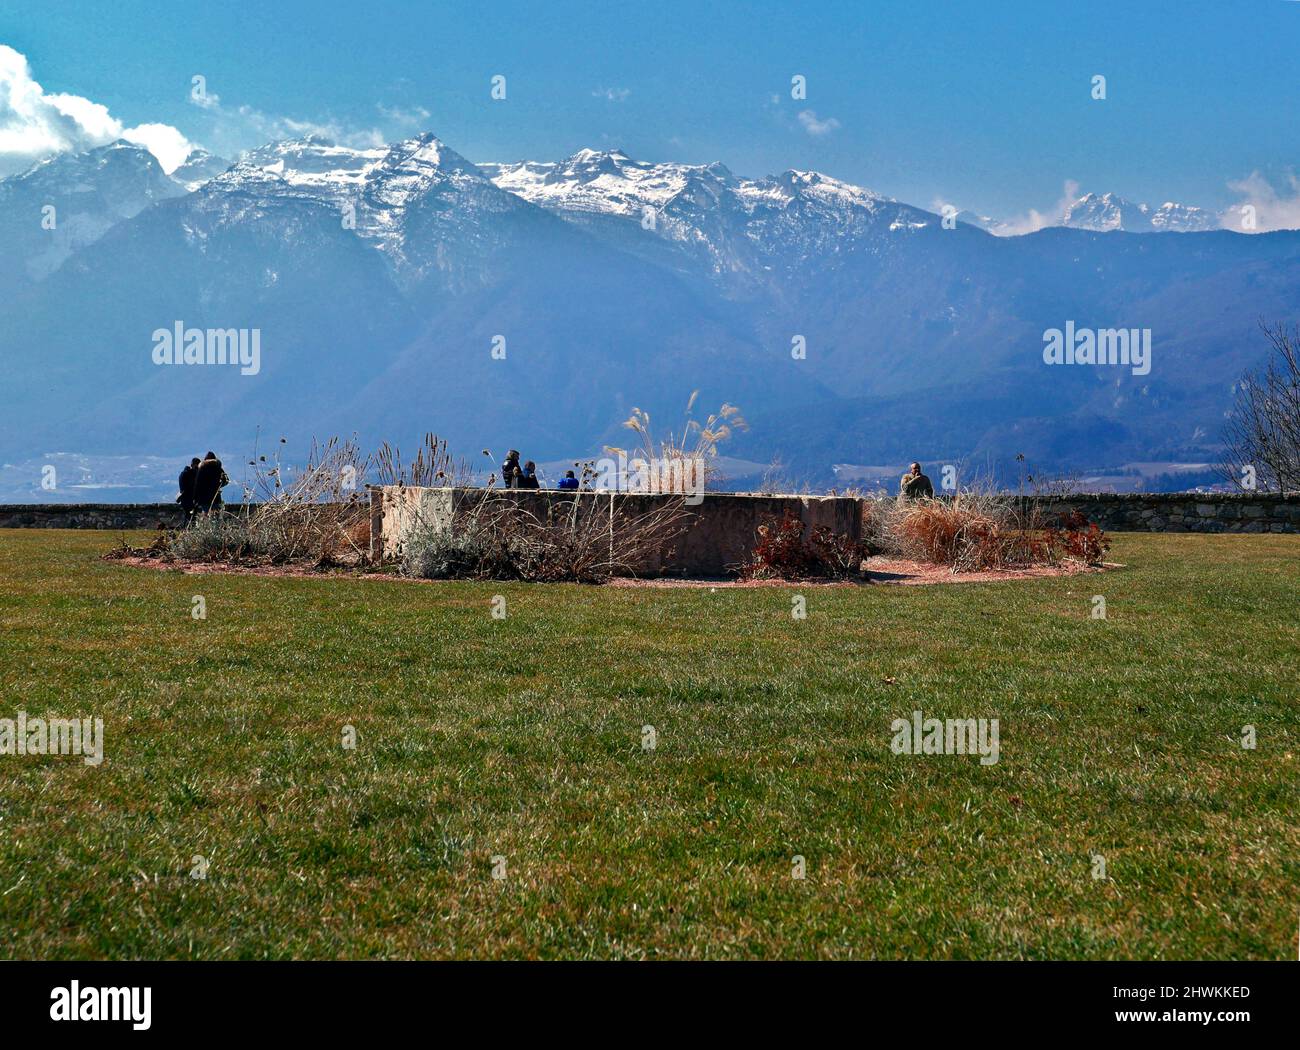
(382, 279)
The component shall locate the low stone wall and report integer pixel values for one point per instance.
(724, 524)
(1185, 512)
(89, 515)
(96, 515)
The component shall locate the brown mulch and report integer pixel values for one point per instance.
(896, 571)
(205, 568)
(902, 571)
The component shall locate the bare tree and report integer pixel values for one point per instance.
(1262, 435)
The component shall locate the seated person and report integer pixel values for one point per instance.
(568, 481)
(915, 485)
(527, 478)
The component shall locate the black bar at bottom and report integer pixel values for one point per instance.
(337, 999)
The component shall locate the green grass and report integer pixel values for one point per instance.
(522, 737)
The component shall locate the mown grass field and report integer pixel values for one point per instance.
(522, 738)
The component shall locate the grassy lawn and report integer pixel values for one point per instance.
(522, 738)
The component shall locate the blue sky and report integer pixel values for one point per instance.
(987, 105)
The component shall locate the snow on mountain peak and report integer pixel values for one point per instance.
(605, 181)
(610, 182)
(1182, 218)
(739, 224)
(824, 188)
(198, 168)
(1109, 211)
(377, 184)
(314, 163)
(92, 191)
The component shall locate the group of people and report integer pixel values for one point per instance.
(202, 481)
(913, 485)
(513, 476)
(201, 484)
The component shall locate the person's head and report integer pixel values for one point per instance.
(529, 467)
(195, 461)
(569, 474)
(512, 454)
(916, 468)
(210, 455)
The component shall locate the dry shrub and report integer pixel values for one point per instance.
(591, 537)
(586, 538)
(782, 553)
(837, 554)
(1078, 538)
(779, 552)
(433, 466)
(159, 547)
(978, 531)
(320, 513)
(226, 538)
(964, 535)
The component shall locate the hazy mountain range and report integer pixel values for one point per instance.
(380, 282)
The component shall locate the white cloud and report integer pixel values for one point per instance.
(1272, 210)
(1036, 220)
(234, 130)
(612, 94)
(35, 125)
(163, 141)
(287, 127)
(413, 117)
(91, 117)
(815, 126)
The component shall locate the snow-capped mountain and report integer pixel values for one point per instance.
(69, 201)
(408, 200)
(1182, 218)
(608, 182)
(197, 168)
(374, 278)
(737, 224)
(382, 281)
(308, 167)
(1107, 211)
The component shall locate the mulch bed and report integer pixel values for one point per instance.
(879, 570)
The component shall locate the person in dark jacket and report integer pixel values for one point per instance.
(915, 485)
(510, 470)
(209, 479)
(528, 477)
(186, 481)
(568, 482)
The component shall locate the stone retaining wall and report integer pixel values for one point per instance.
(728, 520)
(1185, 512)
(89, 515)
